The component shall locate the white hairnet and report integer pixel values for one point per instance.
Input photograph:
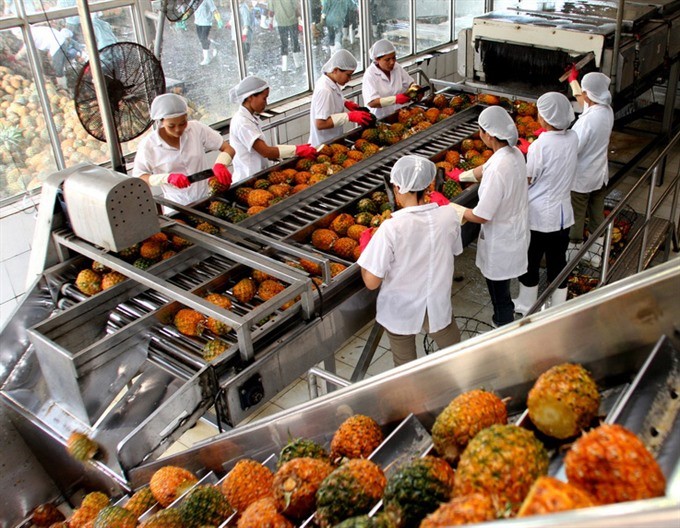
(168, 106)
(596, 85)
(341, 59)
(556, 109)
(249, 86)
(66, 33)
(412, 173)
(380, 48)
(497, 122)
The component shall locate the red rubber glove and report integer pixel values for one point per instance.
(523, 145)
(351, 106)
(403, 99)
(539, 131)
(222, 174)
(244, 38)
(359, 117)
(454, 174)
(439, 198)
(178, 180)
(573, 74)
(305, 151)
(365, 238)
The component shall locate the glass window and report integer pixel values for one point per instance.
(464, 12)
(432, 23)
(391, 20)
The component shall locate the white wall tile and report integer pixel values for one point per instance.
(6, 309)
(6, 290)
(15, 239)
(17, 267)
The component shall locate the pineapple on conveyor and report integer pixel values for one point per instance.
(469, 509)
(263, 514)
(115, 517)
(549, 495)
(213, 349)
(81, 447)
(563, 401)
(89, 508)
(357, 437)
(170, 518)
(169, 482)
(463, 418)
(190, 322)
(46, 515)
(502, 460)
(451, 189)
(364, 521)
(89, 282)
(296, 483)
(417, 489)
(613, 465)
(351, 490)
(204, 505)
(141, 501)
(302, 447)
(247, 482)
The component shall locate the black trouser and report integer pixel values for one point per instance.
(503, 308)
(554, 246)
(291, 32)
(203, 32)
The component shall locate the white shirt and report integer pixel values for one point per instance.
(503, 201)
(594, 127)
(413, 253)
(47, 39)
(155, 156)
(551, 168)
(377, 85)
(327, 100)
(243, 132)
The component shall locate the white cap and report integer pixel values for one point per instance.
(596, 85)
(167, 106)
(249, 86)
(556, 109)
(497, 122)
(380, 48)
(412, 173)
(341, 59)
(66, 33)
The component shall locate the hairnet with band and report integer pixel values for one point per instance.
(556, 109)
(380, 48)
(251, 85)
(497, 122)
(596, 85)
(341, 59)
(167, 106)
(412, 173)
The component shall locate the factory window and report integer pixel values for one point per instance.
(465, 10)
(391, 20)
(433, 23)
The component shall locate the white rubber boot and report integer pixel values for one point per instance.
(572, 249)
(206, 58)
(345, 33)
(297, 59)
(594, 254)
(526, 299)
(351, 34)
(284, 63)
(62, 82)
(559, 296)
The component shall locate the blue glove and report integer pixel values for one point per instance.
(181, 25)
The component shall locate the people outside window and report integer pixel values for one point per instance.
(203, 20)
(286, 14)
(333, 15)
(247, 22)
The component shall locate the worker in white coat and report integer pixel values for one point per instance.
(594, 128)
(410, 257)
(385, 82)
(253, 154)
(551, 168)
(502, 210)
(176, 148)
(330, 111)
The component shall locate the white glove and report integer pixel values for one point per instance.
(461, 212)
(575, 88)
(158, 179)
(387, 101)
(286, 151)
(223, 158)
(468, 176)
(339, 119)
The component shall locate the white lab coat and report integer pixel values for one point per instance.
(377, 85)
(413, 253)
(551, 167)
(503, 201)
(594, 127)
(155, 156)
(327, 100)
(243, 132)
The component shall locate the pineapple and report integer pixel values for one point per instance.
(277, 177)
(302, 178)
(262, 183)
(324, 239)
(563, 401)
(143, 263)
(364, 521)
(488, 99)
(213, 349)
(218, 327)
(432, 115)
(151, 250)
(366, 205)
(99, 267)
(259, 197)
(296, 483)
(344, 247)
(463, 418)
(247, 482)
(300, 187)
(280, 190)
(337, 268)
(189, 322)
(95, 501)
(451, 189)
(241, 194)
(254, 210)
(357, 437)
(269, 289)
(168, 254)
(204, 505)
(417, 489)
(215, 187)
(302, 447)
(342, 223)
(207, 227)
(613, 465)
(92, 504)
(363, 218)
(170, 518)
(549, 495)
(352, 489)
(129, 253)
(244, 290)
(179, 243)
(89, 282)
(263, 514)
(260, 275)
(46, 515)
(140, 501)
(220, 209)
(81, 447)
(311, 267)
(440, 101)
(354, 232)
(169, 482)
(111, 279)
(501, 460)
(470, 509)
(240, 216)
(115, 517)
(452, 156)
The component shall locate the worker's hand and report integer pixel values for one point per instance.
(461, 212)
(220, 23)
(402, 99)
(454, 174)
(305, 151)
(365, 238)
(439, 198)
(178, 180)
(539, 131)
(573, 74)
(523, 145)
(459, 176)
(244, 37)
(359, 117)
(351, 106)
(222, 174)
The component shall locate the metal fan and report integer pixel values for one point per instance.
(133, 77)
(176, 10)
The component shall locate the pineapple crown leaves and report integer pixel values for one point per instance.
(10, 137)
